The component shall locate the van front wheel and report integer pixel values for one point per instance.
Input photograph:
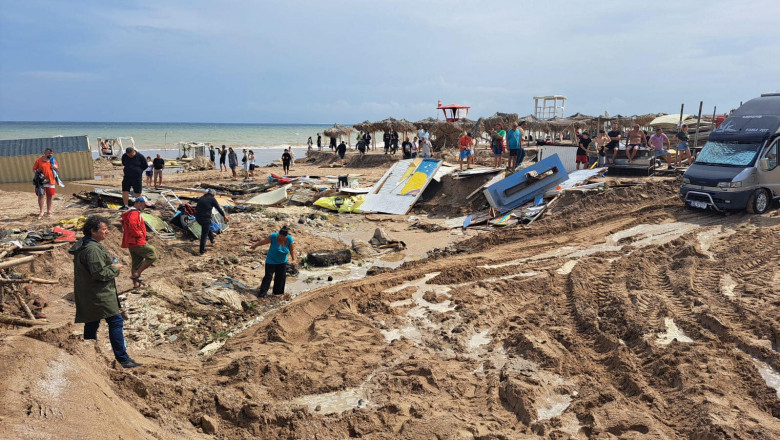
(759, 202)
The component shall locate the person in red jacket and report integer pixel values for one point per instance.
(142, 254)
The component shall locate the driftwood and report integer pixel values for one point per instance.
(43, 247)
(5, 319)
(3, 254)
(16, 262)
(22, 304)
(27, 280)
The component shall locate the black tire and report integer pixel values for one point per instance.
(759, 202)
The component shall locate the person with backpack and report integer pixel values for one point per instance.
(44, 179)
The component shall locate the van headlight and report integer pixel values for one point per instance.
(686, 180)
(730, 184)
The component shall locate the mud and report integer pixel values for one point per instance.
(619, 315)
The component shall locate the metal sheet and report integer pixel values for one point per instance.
(521, 187)
(73, 166)
(401, 186)
(567, 155)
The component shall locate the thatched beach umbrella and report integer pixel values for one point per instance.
(363, 126)
(337, 130)
(426, 123)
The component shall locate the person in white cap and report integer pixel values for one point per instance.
(143, 255)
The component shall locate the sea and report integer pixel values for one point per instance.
(267, 140)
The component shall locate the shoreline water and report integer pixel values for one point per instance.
(165, 136)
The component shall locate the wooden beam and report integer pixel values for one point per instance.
(16, 262)
(27, 280)
(22, 304)
(5, 319)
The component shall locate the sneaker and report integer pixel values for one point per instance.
(129, 363)
(123, 208)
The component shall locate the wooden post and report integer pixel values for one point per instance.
(5, 319)
(679, 124)
(714, 111)
(22, 304)
(698, 124)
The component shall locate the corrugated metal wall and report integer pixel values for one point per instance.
(568, 155)
(73, 166)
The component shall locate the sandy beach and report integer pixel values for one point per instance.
(619, 313)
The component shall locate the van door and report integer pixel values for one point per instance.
(771, 178)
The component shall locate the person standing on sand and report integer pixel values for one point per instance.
(158, 165)
(281, 245)
(386, 140)
(514, 139)
(94, 287)
(415, 148)
(582, 151)
(44, 168)
(292, 157)
(148, 171)
(319, 142)
(206, 204)
(332, 143)
(251, 158)
(683, 150)
(233, 161)
(142, 254)
(222, 156)
(286, 158)
(426, 148)
(497, 145)
(134, 164)
(212, 155)
(406, 148)
(601, 142)
(614, 136)
(464, 145)
(394, 142)
(245, 164)
(309, 143)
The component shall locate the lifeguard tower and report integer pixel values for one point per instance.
(551, 106)
(453, 112)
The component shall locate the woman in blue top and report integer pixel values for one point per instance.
(276, 260)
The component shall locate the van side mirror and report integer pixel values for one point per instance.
(763, 164)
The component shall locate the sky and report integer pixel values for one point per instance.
(291, 61)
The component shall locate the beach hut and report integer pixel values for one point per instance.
(72, 153)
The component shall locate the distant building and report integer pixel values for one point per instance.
(551, 106)
(72, 153)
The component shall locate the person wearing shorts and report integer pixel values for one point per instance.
(683, 150)
(148, 171)
(614, 136)
(636, 140)
(497, 144)
(342, 151)
(513, 139)
(134, 166)
(657, 142)
(142, 254)
(464, 143)
(44, 168)
(222, 156)
(582, 150)
(158, 165)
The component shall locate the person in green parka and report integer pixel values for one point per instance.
(95, 288)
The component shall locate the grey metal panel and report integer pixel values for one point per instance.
(36, 146)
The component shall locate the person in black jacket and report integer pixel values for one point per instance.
(386, 141)
(135, 165)
(206, 203)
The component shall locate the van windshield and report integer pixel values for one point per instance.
(728, 154)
